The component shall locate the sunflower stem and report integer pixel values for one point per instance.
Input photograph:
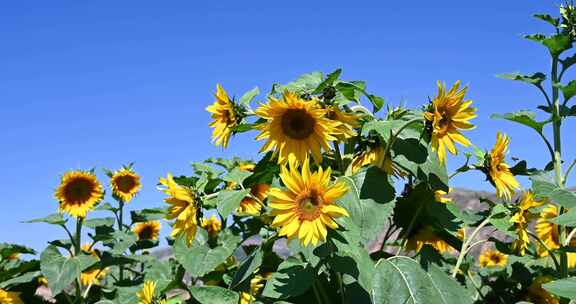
(338, 155)
(121, 228)
(556, 263)
(397, 133)
(466, 244)
(77, 248)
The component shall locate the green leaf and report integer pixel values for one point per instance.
(248, 267)
(145, 215)
(199, 258)
(402, 280)
(524, 117)
(535, 79)
(122, 240)
(563, 197)
(565, 288)
(566, 219)
(54, 219)
(292, 278)
(569, 90)
(23, 278)
(304, 84)
(543, 184)
(547, 18)
(500, 219)
(237, 176)
(94, 222)
(106, 207)
(377, 102)
(229, 200)
(214, 295)
(568, 62)
(329, 81)
(159, 272)
(556, 44)
(249, 96)
(61, 271)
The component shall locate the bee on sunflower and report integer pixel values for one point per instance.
(308, 205)
(148, 294)
(492, 258)
(125, 184)
(149, 230)
(497, 171)
(446, 115)
(183, 208)
(295, 127)
(226, 115)
(78, 193)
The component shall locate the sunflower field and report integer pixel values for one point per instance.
(348, 201)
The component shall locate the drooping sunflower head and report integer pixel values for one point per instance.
(308, 205)
(10, 297)
(92, 276)
(548, 232)
(295, 127)
(212, 225)
(346, 122)
(447, 114)
(148, 294)
(125, 184)
(425, 235)
(492, 258)
(78, 193)
(252, 205)
(182, 209)
(497, 171)
(224, 117)
(149, 230)
(537, 294)
(375, 156)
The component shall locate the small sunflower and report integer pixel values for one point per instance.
(537, 294)
(182, 208)
(295, 127)
(549, 234)
(347, 122)
(92, 276)
(78, 193)
(147, 294)
(498, 171)
(447, 114)
(224, 117)
(440, 196)
(247, 166)
(520, 219)
(125, 184)
(251, 206)
(308, 204)
(492, 258)
(256, 284)
(375, 156)
(426, 236)
(10, 297)
(149, 230)
(212, 225)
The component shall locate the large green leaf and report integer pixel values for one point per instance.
(543, 184)
(229, 200)
(95, 222)
(306, 83)
(248, 267)
(563, 197)
(329, 81)
(54, 219)
(237, 176)
(61, 271)
(402, 280)
(556, 44)
(566, 219)
(199, 258)
(535, 79)
(293, 278)
(214, 295)
(569, 90)
(248, 96)
(564, 287)
(524, 117)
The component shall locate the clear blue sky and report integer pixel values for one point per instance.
(103, 83)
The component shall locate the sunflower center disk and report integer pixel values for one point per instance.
(125, 183)
(298, 124)
(146, 233)
(310, 204)
(78, 191)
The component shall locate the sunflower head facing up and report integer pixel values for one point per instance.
(426, 236)
(10, 297)
(79, 192)
(251, 206)
(492, 258)
(182, 209)
(447, 114)
(224, 117)
(294, 128)
(347, 122)
(308, 205)
(125, 184)
(149, 230)
(212, 225)
(148, 294)
(497, 171)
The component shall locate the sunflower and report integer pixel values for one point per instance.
(520, 220)
(295, 127)
(375, 156)
(440, 196)
(147, 230)
(212, 225)
(256, 283)
(42, 280)
(447, 114)
(182, 208)
(147, 294)
(78, 193)
(498, 171)
(548, 233)
(308, 204)
(537, 294)
(92, 276)
(125, 184)
(247, 166)
(10, 297)
(346, 123)
(251, 206)
(426, 236)
(492, 258)
(224, 117)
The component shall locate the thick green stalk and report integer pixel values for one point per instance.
(121, 228)
(77, 248)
